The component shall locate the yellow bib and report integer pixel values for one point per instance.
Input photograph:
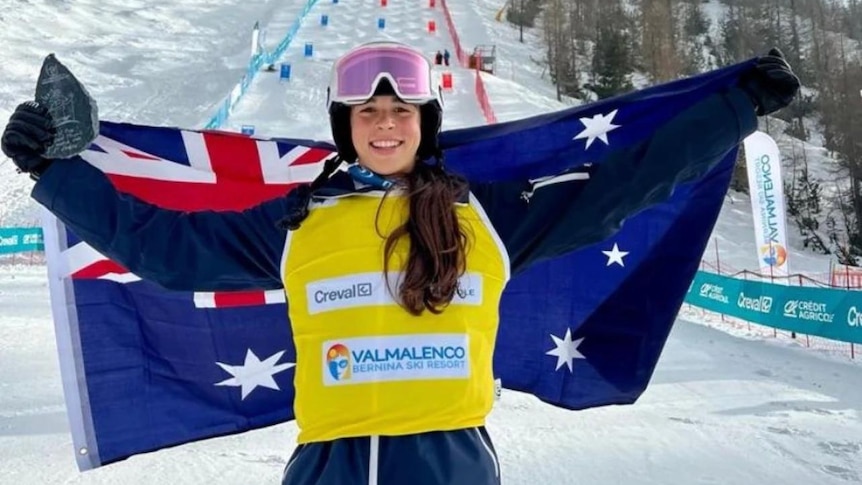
(364, 365)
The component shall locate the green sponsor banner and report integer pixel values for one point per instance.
(825, 312)
(20, 240)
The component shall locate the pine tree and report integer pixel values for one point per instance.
(803, 194)
(612, 63)
(695, 38)
(695, 23)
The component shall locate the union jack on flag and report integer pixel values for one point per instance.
(191, 170)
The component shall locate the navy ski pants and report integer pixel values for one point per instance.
(460, 457)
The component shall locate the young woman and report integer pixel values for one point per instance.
(394, 267)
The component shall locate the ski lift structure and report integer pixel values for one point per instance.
(483, 58)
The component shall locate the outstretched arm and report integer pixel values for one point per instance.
(200, 251)
(543, 219)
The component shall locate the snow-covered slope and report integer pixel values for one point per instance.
(720, 409)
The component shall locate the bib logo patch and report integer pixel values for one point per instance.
(368, 289)
(338, 362)
(396, 358)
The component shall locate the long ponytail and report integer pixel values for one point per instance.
(438, 242)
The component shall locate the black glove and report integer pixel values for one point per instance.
(771, 84)
(29, 133)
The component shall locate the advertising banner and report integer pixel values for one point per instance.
(825, 312)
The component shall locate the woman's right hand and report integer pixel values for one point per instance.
(771, 83)
(28, 134)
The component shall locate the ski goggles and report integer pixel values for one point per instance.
(356, 75)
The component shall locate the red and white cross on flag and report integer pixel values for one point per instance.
(194, 171)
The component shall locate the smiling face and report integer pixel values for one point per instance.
(386, 134)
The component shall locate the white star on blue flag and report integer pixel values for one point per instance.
(254, 372)
(597, 127)
(566, 350)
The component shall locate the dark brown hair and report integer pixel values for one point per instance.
(438, 243)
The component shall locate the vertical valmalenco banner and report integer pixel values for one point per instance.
(767, 203)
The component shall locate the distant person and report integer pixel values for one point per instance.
(446, 57)
(438, 59)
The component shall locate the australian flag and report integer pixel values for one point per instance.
(145, 368)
